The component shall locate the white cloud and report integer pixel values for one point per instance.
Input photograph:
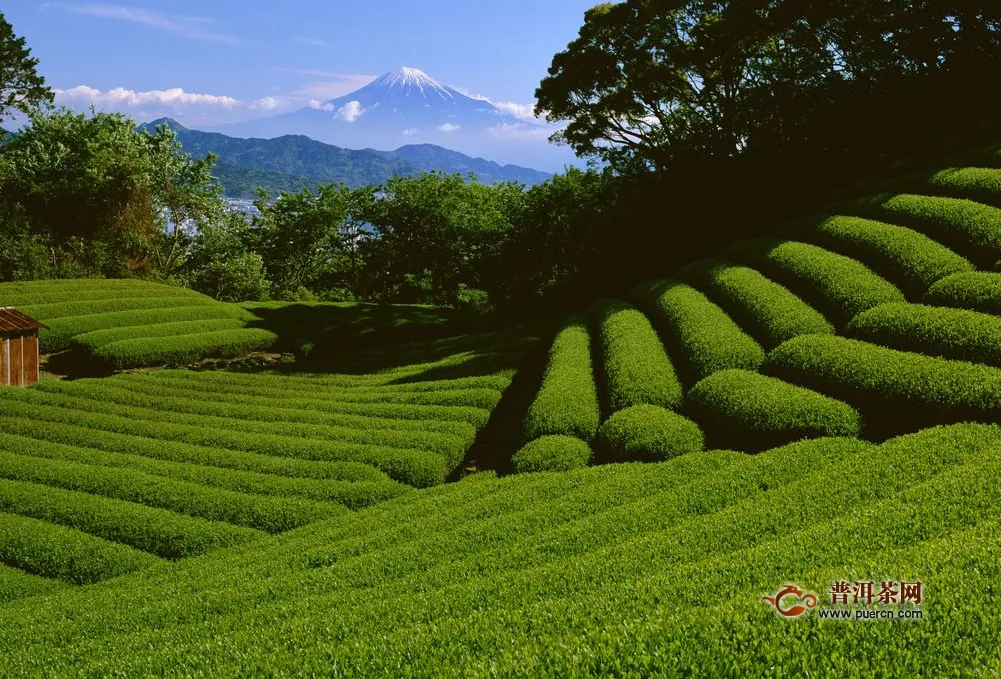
(119, 97)
(321, 106)
(350, 112)
(520, 131)
(192, 28)
(410, 131)
(448, 127)
(270, 103)
(314, 42)
(522, 111)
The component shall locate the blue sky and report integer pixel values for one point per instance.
(213, 62)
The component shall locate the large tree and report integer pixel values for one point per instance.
(654, 84)
(21, 87)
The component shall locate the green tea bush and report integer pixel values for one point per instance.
(835, 285)
(352, 494)
(90, 341)
(971, 229)
(769, 311)
(894, 390)
(418, 468)
(647, 432)
(981, 184)
(938, 331)
(273, 515)
(567, 401)
(979, 291)
(698, 334)
(552, 454)
(60, 331)
(25, 432)
(143, 351)
(162, 533)
(910, 259)
(752, 412)
(636, 367)
(54, 551)
(47, 312)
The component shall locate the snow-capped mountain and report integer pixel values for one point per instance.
(408, 106)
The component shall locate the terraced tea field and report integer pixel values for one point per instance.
(128, 323)
(846, 326)
(815, 407)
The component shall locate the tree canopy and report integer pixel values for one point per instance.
(21, 87)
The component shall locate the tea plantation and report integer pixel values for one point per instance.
(815, 406)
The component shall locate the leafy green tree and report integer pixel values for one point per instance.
(435, 232)
(300, 240)
(101, 194)
(220, 264)
(21, 87)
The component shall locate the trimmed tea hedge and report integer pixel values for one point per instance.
(769, 311)
(647, 432)
(182, 349)
(938, 331)
(979, 291)
(699, 335)
(974, 183)
(552, 454)
(90, 341)
(60, 331)
(972, 229)
(55, 551)
(567, 401)
(910, 259)
(156, 531)
(273, 515)
(836, 285)
(56, 310)
(895, 390)
(635, 365)
(752, 412)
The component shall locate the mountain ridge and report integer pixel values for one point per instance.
(291, 161)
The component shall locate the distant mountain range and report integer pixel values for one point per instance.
(292, 162)
(407, 106)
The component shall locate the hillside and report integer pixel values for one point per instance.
(818, 408)
(293, 161)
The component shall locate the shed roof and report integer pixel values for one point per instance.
(12, 320)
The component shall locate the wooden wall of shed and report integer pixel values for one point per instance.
(4, 361)
(19, 360)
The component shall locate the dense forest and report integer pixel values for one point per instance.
(711, 121)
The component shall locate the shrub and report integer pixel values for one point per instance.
(770, 312)
(143, 351)
(647, 432)
(910, 259)
(979, 291)
(699, 335)
(90, 341)
(54, 551)
(52, 311)
(60, 331)
(973, 183)
(894, 390)
(971, 229)
(552, 453)
(752, 412)
(156, 531)
(567, 401)
(635, 366)
(939, 331)
(836, 285)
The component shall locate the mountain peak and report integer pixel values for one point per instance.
(413, 80)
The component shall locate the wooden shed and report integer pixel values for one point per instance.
(18, 348)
